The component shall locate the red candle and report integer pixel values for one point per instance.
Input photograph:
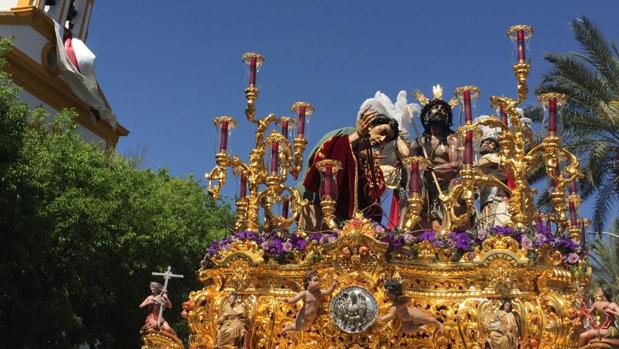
(468, 148)
(223, 137)
(538, 219)
(573, 217)
(274, 158)
(504, 116)
(548, 220)
(252, 71)
(329, 181)
(468, 114)
(285, 205)
(552, 115)
(415, 183)
(301, 129)
(285, 128)
(521, 47)
(243, 191)
(573, 187)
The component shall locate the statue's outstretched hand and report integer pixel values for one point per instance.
(364, 122)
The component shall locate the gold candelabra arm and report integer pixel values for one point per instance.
(251, 94)
(299, 145)
(521, 71)
(218, 175)
(413, 211)
(297, 202)
(262, 126)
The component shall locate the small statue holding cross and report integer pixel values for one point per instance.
(156, 302)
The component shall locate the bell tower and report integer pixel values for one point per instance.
(52, 63)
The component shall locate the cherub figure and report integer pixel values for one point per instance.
(412, 319)
(312, 299)
(153, 302)
(607, 311)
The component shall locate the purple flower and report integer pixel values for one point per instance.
(460, 240)
(331, 238)
(503, 230)
(572, 258)
(525, 242)
(438, 243)
(429, 235)
(315, 236)
(287, 246)
(213, 248)
(301, 244)
(409, 238)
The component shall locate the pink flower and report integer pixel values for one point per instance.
(573, 258)
(409, 238)
(287, 246)
(264, 245)
(526, 242)
(481, 235)
(331, 238)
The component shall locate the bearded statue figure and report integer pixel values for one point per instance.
(441, 146)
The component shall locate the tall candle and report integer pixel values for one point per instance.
(468, 141)
(274, 158)
(243, 191)
(328, 177)
(285, 128)
(301, 128)
(521, 47)
(223, 137)
(573, 217)
(285, 205)
(552, 115)
(504, 116)
(252, 70)
(468, 114)
(415, 178)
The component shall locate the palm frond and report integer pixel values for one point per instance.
(593, 41)
(603, 203)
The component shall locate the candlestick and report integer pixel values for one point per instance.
(274, 158)
(328, 191)
(573, 216)
(223, 137)
(254, 61)
(552, 102)
(552, 115)
(225, 124)
(285, 204)
(468, 113)
(503, 113)
(303, 110)
(415, 181)
(521, 48)
(243, 191)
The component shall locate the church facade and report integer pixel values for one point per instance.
(52, 64)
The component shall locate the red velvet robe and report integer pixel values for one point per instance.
(354, 193)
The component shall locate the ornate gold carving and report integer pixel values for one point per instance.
(160, 340)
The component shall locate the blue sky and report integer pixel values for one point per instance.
(168, 68)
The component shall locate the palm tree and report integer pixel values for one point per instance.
(604, 256)
(590, 79)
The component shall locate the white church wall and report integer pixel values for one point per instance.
(26, 39)
(6, 5)
(84, 133)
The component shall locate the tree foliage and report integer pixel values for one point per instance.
(590, 79)
(605, 258)
(81, 231)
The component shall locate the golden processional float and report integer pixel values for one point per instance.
(258, 281)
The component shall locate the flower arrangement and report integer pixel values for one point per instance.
(277, 246)
(282, 247)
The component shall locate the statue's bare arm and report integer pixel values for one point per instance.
(390, 315)
(296, 298)
(329, 290)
